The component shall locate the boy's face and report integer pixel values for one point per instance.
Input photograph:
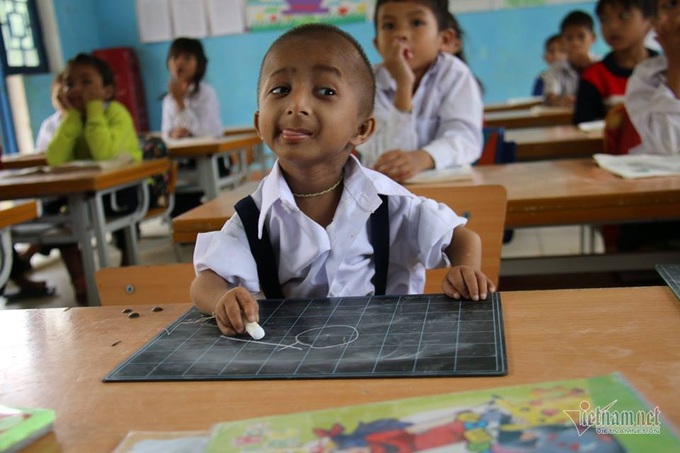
(309, 105)
(623, 28)
(555, 52)
(415, 26)
(577, 40)
(85, 83)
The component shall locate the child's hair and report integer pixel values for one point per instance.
(194, 47)
(647, 7)
(551, 40)
(58, 78)
(578, 19)
(453, 24)
(440, 8)
(102, 67)
(367, 88)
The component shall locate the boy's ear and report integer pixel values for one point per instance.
(364, 131)
(256, 123)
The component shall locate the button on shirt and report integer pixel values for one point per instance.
(201, 114)
(337, 260)
(446, 119)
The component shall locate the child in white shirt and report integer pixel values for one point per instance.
(428, 105)
(315, 106)
(50, 124)
(190, 108)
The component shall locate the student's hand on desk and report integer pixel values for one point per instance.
(401, 165)
(180, 132)
(234, 307)
(467, 282)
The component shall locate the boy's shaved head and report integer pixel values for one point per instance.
(333, 37)
(647, 7)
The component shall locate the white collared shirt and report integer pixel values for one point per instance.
(561, 79)
(446, 119)
(653, 108)
(201, 114)
(47, 129)
(337, 260)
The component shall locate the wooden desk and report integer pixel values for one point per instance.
(514, 104)
(533, 117)
(207, 151)
(16, 161)
(80, 187)
(12, 213)
(554, 142)
(56, 358)
(545, 193)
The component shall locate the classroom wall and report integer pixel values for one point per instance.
(504, 49)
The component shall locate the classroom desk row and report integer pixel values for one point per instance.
(544, 193)
(537, 116)
(206, 151)
(56, 358)
(81, 188)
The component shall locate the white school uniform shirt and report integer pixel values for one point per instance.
(201, 114)
(47, 129)
(446, 118)
(653, 108)
(561, 79)
(336, 260)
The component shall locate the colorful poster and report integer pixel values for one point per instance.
(279, 14)
(602, 414)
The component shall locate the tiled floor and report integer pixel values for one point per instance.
(156, 248)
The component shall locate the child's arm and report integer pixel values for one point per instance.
(61, 148)
(230, 305)
(465, 278)
(109, 134)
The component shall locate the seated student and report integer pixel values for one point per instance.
(561, 81)
(96, 127)
(315, 98)
(190, 107)
(653, 93)
(51, 123)
(428, 105)
(624, 25)
(554, 52)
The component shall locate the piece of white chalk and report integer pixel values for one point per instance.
(255, 330)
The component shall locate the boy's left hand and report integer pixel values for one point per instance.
(467, 282)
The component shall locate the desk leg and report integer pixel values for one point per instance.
(81, 226)
(207, 175)
(5, 256)
(96, 205)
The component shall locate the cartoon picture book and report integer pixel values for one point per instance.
(602, 414)
(19, 427)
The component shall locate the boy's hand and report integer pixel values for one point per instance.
(401, 165)
(235, 306)
(467, 282)
(396, 62)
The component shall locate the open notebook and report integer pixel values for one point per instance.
(632, 166)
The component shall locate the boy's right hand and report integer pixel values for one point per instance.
(178, 90)
(234, 307)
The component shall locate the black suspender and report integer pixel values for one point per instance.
(263, 252)
(267, 270)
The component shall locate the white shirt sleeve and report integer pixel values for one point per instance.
(653, 108)
(47, 129)
(201, 114)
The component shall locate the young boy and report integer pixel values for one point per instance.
(561, 82)
(553, 52)
(653, 94)
(428, 105)
(315, 98)
(624, 24)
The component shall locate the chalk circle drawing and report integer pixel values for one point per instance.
(325, 337)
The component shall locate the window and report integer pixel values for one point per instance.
(22, 49)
